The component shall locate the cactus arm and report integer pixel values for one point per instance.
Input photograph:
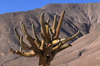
(16, 33)
(18, 37)
(54, 42)
(12, 51)
(30, 39)
(68, 39)
(35, 48)
(64, 47)
(38, 42)
(24, 29)
(59, 25)
(20, 49)
(56, 48)
(25, 54)
(47, 26)
(47, 30)
(51, 33)
(57, 41)
(43, 28)
(42, 47)
(25, 47)
(43, 43)
(51, 57)
(54, 25)
(43, 38)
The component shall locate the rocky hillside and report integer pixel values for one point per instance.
(84, 17)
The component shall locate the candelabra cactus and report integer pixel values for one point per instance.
(50, 44)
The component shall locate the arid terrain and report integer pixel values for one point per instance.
(85, 50)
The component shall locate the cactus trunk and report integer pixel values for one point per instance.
(42, 61)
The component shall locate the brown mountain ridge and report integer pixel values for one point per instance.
(85, 51)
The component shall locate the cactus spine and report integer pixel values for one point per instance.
(50, 44)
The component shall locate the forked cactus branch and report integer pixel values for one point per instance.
(38, 42)
(59, 26)
(49, 46)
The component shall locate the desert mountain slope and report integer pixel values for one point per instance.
(84, 52)
(83, 17)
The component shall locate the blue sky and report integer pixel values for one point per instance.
(8, 6)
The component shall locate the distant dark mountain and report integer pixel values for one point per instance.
(83, 17)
